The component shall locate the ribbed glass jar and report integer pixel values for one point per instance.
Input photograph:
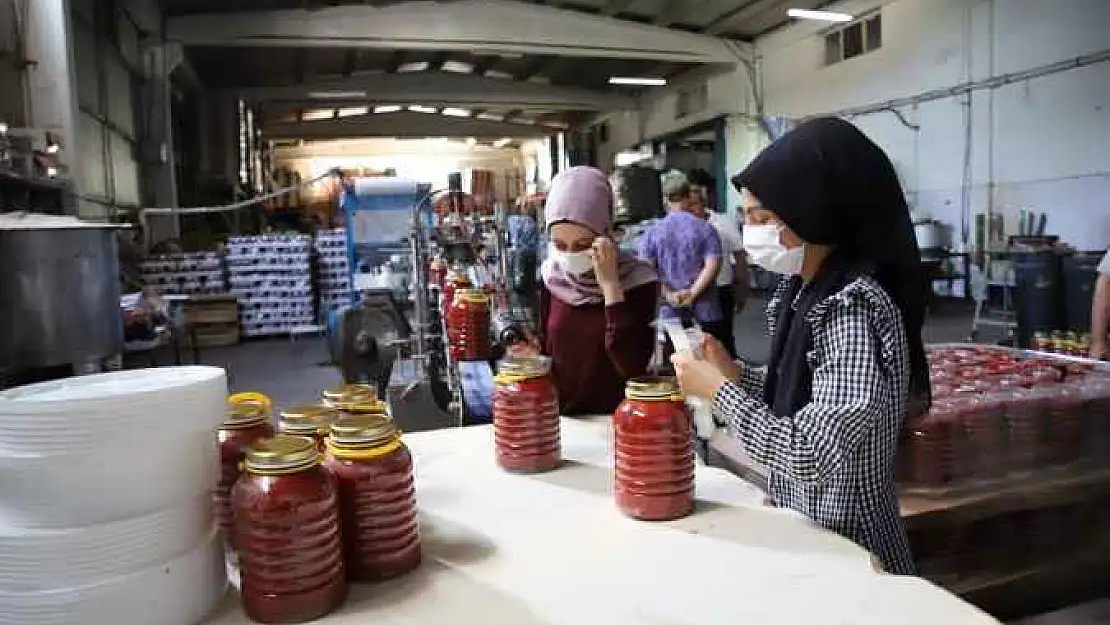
(245, 424)
(372, 468)
(468, 327)
(287, 533)
(313, 421)
(526, 416)
(654, 451)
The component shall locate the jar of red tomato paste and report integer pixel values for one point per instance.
(654, 451)
(1064, 424)
(526, 415)
(246, 423)
(982, 437)
(468, 327)
(1025, 420)
(287, 533)
(455, 281)
(313, 421)
(932, 451)
(372, 468)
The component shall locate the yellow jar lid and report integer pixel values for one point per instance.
(363, 429)
(315, 418)
(522, 368)
(281, 453)
(341, 393)
(651, 389)
(472, 296)
(244, 415)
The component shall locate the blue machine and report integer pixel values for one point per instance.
(379, 219)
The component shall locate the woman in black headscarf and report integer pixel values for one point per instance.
(824, 207)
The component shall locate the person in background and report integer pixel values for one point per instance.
(524, 241)
(686, 252)
(596, 303)
(732, 279)
(483, 273)
(1100, 310)
(825, 209)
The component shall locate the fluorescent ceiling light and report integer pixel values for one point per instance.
(491, 117)
(454, 112)
(496, 73)
(472, 141)
(416, 66)
(823, 16)
(416, 108)
(354, 111)
(387, 108)
(336, 95)
(318, 114)
(638, 81)
(500, 143)
(457, 67)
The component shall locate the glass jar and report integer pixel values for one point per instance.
(654, 452)
(372, 468)
(287, 533)
(932, 450)
(1024, 428)
(468, 327)
(1064, 424)
(526, 416)
(245, 424)
(313, 421)
(456, 281)
(982, 437)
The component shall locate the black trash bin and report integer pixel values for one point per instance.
(1080, 272)
(1038, 294)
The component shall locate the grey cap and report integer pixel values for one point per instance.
(673, 181)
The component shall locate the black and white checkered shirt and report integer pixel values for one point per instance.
(833, 460)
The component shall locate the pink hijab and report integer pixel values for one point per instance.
(582, 195)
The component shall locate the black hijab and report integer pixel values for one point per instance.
(833, 186)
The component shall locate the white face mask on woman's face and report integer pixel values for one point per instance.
(764, 245)
(576, 263)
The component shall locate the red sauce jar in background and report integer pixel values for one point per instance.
(1064, 424)
(932, 450)
(1025, 418)
(526, 415)
(468, 327)
(437, 272)
(982, 434)
(312, 421)
(654, 452)
(456, 281)
(372, 468)
(287, 533)
(246, 423)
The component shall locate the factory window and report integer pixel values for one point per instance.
(852, 40)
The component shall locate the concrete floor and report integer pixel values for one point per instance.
(290, 372)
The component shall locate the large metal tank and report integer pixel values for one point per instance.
(59, 295)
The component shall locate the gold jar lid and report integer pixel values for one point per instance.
(244, 415)
(281, 453)
(651, 389)
(473, 296)
(313, 419)
(348, 392)
(364, 406)
(523, 367)
(363, 430)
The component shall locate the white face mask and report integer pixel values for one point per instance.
(576, 263)
(764, 245)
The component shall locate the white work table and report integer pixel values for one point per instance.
(553, 549)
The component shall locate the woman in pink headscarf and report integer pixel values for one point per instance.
(596, 302)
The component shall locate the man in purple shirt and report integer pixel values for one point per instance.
(686, 252)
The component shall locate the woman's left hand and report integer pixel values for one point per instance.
(604, 255)
(698, 378)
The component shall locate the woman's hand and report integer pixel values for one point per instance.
(714, 353)
(604, 254)
(698, 378)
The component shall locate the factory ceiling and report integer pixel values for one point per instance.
(537, 64)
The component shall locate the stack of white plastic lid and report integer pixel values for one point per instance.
(105, 509)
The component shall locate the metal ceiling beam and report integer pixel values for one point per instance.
(396, 60)
(440, 89)
(402, 125)
(476, 26)
(741, 13)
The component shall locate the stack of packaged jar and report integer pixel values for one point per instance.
(189, 273)
(997, 415)
(468, 327)
(307, 522)
(333, 272)
(271, 276)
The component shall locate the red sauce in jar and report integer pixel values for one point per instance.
(1025, 418)
(982, 437)
(1064, 424)
(309, 421)
(372, 468)
(932, 449)
(526, 416)
(654, 452)
(287, 531)
(246, 423)
(468, 327)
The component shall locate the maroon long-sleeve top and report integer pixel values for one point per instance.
(595, 348)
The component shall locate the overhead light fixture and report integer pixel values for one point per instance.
(500, 143)
(455, 112)
(353, 111)
(472, 141)
(642, 81)
(387, 108)
(52, 146)
(336, 95)
(51, 172)
(3, 128)
(416, 108)
(821, 16)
